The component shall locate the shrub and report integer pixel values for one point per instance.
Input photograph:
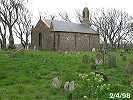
(91, 86)
(112, 60)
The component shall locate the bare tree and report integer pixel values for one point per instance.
(3, 28)
(23, 27)
(113, 25)
(9, 15)
(64, 16)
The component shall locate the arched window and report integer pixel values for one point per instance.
(88, 14)
(83, 14)
(40, 40)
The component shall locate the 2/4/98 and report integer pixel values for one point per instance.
(119, 95)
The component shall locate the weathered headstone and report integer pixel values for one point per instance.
(66, 52)
(93, 49)
(34, 48)
(131, 83)
(99, 59)
(56, 83)
(129, 68)
(27, 47)
(66, 86)
(69, 86)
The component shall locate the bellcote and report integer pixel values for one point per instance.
(86, 16)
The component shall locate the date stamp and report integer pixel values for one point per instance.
(119, 95)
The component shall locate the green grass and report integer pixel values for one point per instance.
(28, 75)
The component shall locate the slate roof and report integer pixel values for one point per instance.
(70, 27)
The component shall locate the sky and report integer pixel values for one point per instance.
(38, 7)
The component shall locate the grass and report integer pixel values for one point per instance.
(28, 75)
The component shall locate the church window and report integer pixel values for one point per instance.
(83, 14)
(40, 39)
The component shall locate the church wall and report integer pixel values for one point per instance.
(75, 41)
(46, 37)
(48, 41)
(65, 41)
(83, 42)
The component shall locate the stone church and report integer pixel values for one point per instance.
(64, 36)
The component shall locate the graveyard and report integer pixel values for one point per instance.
(50, 75)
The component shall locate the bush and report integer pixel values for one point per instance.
(93, 86)
(112, 60)
(90, 86)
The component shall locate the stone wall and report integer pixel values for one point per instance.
(66, 41)
(63, 41)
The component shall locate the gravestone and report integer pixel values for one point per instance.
(66, 52)
(131, 83)
(56, 83)
(66, 86)
(129, 68)
(99, 59)
(34, 48)
(69, 86)
(93, 49)
(27, 47)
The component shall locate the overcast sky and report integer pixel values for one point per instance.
(54, 6)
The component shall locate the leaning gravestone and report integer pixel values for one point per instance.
(99, 59)
(129, 68)
(56, 83)
(69, 86)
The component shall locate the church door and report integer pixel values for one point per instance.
(40, 41)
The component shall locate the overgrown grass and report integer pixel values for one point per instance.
(28, 75)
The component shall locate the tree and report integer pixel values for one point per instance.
(9, 15)
(23, 27)
(3, 28)
(64, 16)
(113, 26)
